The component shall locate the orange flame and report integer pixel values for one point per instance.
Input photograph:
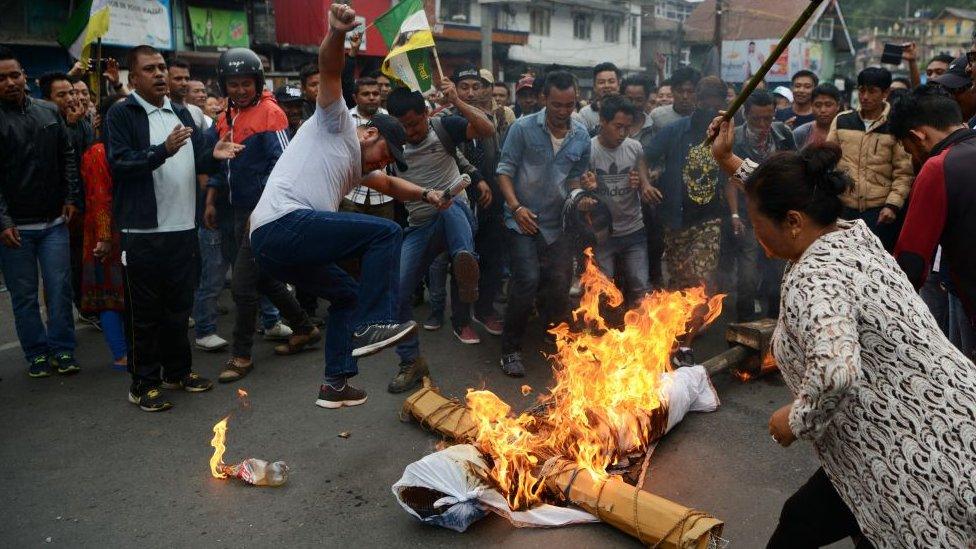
(607, 380)
(526, 390)
(217, 459)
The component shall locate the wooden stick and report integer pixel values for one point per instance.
(784, 42)
(437, 60)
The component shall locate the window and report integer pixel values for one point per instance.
(634, 30)
(611, 29)
(456, 11)
(581, 26)
(673, 10)
(824, 29)
(539, 21)
(942, 29)
(504, 18)
(958, 27)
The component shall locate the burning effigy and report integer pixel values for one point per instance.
(614, 394)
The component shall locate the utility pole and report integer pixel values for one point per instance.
(487, 22)
(717, 35)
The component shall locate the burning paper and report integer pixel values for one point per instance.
(608, 383)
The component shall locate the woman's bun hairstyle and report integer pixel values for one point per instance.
(807, 181)
(820, 168)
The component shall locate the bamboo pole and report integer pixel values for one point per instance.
(655, 521)
(784, 42)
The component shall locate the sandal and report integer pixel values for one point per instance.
(233, 371)
(298, 342)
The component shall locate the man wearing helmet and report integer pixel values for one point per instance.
(253, 119)
(298, 236)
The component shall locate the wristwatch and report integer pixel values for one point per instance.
(424, 194)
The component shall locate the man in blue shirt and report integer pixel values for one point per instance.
(543, 158)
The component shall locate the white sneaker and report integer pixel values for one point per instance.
(212, 342)
(278, 332)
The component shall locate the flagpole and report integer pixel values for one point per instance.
(98, 69)
(437, 60)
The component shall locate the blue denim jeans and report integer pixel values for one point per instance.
(451, 231)
(302, 248)
(49, 248)
(627, 256)
(437, 285)
(213, 269)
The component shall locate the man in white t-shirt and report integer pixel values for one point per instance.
(297, 234)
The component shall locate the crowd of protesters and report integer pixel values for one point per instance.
(849, 223)
(136, 206)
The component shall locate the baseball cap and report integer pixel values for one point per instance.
(392, 131)
(287, 94)
(487, 76)
(785, 92)
(524, 82)
(955, 77)
(468, 70)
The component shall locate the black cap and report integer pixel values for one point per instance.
(955, 77)
(468, 70)
(392, 131)
(287, 94)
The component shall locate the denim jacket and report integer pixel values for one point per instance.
(541, 177)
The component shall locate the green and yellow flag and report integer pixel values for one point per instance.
(408, 36)
(88, 23)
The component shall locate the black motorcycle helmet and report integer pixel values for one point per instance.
(591, 227)
(240, 62)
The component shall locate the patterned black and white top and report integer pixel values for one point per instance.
(888, 403)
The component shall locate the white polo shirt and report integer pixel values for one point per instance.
(174, 182)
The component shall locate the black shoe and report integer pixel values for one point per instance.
(332, 398)
(411, 374)
(151, 401)
(65, 363)
(39, 367)
(191, 383)
(379, 336)
(92, 320)
(466, 273)
(512, 365)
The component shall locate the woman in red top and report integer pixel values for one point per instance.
(102, 290)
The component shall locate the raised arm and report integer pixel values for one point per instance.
(479, 125)
(332, 57)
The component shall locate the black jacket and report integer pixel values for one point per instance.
(38, 168)
(132, 160)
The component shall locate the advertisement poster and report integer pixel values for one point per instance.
(134, 22)
(742, 58)
(214, 28)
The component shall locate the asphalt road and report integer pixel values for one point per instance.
(81, 467)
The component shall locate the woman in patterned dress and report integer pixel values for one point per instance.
(888, 403)
(101, 275)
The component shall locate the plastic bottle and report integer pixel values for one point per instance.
(259, 472)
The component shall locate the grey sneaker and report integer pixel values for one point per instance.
(410, 375)
(377, 337)
(512, 365)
